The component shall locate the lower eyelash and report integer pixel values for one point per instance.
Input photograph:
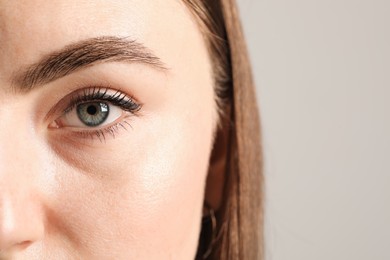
(101, 133)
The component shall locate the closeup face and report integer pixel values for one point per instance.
(107, 117)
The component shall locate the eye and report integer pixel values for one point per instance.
(91, 114)
(96, 111)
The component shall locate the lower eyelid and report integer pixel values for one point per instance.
(103, 134)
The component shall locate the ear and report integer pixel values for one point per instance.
(218, 163)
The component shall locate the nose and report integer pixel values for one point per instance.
(19, 222)
(21, 218)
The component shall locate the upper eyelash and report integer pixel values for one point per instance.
(100, 94)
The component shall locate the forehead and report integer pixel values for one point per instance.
(32, 28)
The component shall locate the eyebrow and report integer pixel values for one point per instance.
(82, 54)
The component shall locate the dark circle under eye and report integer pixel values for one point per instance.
(93, 113)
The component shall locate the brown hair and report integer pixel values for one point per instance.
(240, 218)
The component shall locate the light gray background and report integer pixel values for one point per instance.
(322, 69)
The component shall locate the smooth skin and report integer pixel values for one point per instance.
(137, 194)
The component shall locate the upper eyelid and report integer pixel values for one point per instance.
(98, 94)
(66, 101)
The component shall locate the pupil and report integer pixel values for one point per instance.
(92, 110)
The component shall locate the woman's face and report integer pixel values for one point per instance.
(107, 116)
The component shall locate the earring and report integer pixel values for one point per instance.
(210, 220)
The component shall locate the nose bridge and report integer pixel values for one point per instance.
(17, 142)
(20, 215)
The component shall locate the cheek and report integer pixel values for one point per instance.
(174, 182)
(141, 191)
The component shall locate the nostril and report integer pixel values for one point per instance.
(17, 246)
(22, 245)
(6, 251)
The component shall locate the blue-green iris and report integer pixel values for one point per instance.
(93, 113)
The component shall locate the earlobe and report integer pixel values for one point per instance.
(217, 168)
